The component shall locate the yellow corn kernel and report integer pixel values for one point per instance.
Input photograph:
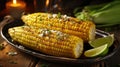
(48, 41)
(84, 29)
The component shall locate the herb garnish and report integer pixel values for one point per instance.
(59, 15)
(2, 46)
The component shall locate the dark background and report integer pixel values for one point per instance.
(65, 7)
(55, 6)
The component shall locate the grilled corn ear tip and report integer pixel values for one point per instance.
(63, 23)
(48, 41)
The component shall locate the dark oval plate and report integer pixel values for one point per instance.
(82, 60)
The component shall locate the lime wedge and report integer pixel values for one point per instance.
(101, 41)
(98, 51)
(105, 52)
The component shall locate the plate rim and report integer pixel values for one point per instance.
(55, 58)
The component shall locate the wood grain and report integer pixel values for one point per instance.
(25, 60)
(19, 60)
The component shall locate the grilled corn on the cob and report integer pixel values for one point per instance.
(64, 23)
(48, 41)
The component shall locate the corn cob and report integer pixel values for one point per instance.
(63, 23)
(48, 41)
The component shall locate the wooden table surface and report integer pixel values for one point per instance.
(22, 59)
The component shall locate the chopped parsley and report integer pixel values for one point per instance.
(2, 46)
(59, 15)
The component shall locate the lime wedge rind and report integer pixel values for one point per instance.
(98, 51)
(105, 52)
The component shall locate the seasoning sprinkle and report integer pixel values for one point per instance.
(12, 53)
(21, 47)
